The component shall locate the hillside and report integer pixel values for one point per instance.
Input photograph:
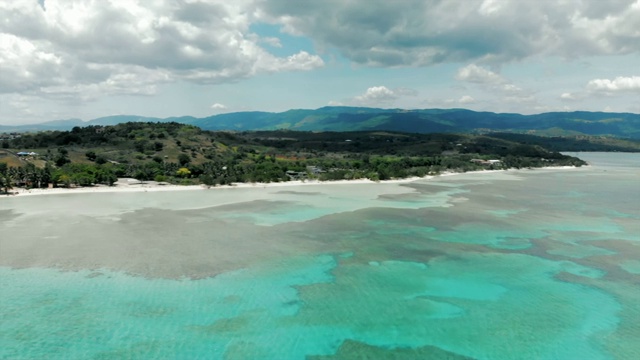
(185, 154)
(622, 125)
(427, 121)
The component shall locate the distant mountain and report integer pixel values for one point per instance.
(50, 125)
(429, 120)
(119, 119)
(417, 121)
(65, 125)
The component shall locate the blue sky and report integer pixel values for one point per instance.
(85, 59)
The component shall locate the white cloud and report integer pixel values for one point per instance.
(617, 85)
(418, 32)
(300, 61)
(511, 88)
(479, 75)
(403, 91)
(621, 86)
(272, 41)
(218, 106)
(55, 54)
(488, 80)
(87, 47)
(466, 99)
(376, 96)
(489, 7)
(575, 96)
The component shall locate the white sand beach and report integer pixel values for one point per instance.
(124, 185)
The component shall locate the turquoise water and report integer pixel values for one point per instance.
(518, 265)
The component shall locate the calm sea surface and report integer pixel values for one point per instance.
(531, 264)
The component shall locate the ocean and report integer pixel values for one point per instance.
(527, 264)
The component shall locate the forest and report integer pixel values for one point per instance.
(184, 154)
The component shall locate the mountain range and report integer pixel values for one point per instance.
(625, 125)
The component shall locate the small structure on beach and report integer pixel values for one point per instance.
(26, 153)
(297, 175)
(314, 170)
(485, 162)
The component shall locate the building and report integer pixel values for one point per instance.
(485, 162)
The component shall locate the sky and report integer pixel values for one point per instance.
(62, 59)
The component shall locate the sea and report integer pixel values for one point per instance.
(520, 264)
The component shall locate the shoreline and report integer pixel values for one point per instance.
(123, 185)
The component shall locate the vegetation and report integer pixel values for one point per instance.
(621, 125)
(184, 154)
(574, 143)
(5, 178)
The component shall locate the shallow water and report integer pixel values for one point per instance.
(539, 264)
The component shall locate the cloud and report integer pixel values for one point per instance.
(620, 86)
(495, 83)
(488, 80)
(300, 61)
(466, 99)
(59, 48)
(419, 33)
(218, 106)
(617, 85)
(509, 96)
(272, 41)
(571, 97)
(479, 75)
(376, 95)
(511, 89)
(403, 91)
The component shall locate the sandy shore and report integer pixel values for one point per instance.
(184, 233)
(125, 185)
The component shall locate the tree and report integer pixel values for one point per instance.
(62, 157)
(140, 145)
(83, 179)
(184, 159)
(31, 176)
(5, 178)
(47, 175)
(208, 180)
(183, 172)
(65, 180)
(104, 175)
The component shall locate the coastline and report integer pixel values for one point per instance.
(125, 185)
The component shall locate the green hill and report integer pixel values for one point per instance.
(621, 125)
(186, 154)
(431, 120)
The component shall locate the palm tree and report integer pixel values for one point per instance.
(31, 175)
(5, 178)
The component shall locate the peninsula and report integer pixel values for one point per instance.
(178, 154)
